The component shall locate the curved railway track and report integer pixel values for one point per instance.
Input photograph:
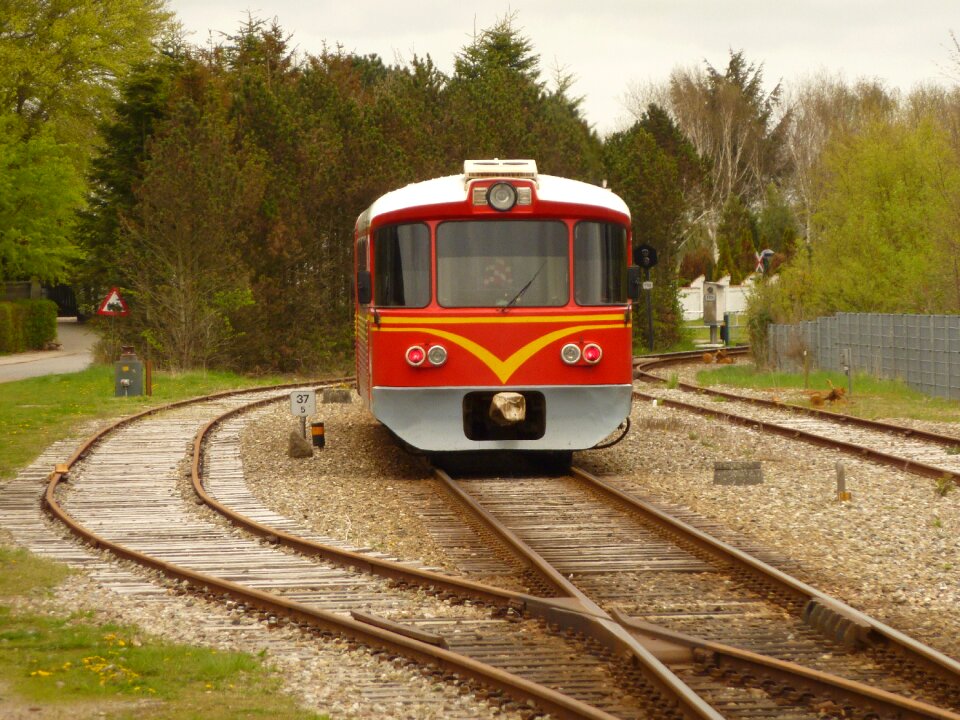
(119, 499)
(574, 658)
(922, 452)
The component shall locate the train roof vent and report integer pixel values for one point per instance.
(474, 169)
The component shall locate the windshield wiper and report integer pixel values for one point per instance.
(522, 290)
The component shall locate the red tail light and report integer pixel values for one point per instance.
(592, 353)
(416, 355)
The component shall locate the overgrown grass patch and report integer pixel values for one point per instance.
(88, 669)
(871, 397)
(22, 572)
(63, 660)
(36, 411)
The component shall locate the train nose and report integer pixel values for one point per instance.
(508, 408)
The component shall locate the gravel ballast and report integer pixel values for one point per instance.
(892, 551)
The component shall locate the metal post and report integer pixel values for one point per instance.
(303, 426)
(842, 493)
(649, 291)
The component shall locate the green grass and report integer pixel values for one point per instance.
(61, 661)
(872, 397)
(37, 411)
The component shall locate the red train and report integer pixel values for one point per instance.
(492, 310)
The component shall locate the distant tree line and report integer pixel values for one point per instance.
(218, 186)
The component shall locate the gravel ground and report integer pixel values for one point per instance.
(893, 551)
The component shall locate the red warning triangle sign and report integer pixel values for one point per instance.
(113, 304)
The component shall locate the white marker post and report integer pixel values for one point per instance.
(302, 404)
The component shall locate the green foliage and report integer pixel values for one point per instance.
(649, 180)
(11, 337)
(118, 168)
(39, 192)
(59, 61)
(27, 325)
(736, 244)
(887, 227)
(777, 227)
(39, 322)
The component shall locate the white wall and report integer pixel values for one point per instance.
(734, 296)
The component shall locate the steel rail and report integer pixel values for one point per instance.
(588, 617)
(833, 617)
(396, 571)
(901, 463)
(840, 418)
(674, 358)
(781, 676)
(325, 622)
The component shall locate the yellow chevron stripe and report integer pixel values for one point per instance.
(503, 369)
(488, 320)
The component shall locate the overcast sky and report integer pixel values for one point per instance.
(609, 45)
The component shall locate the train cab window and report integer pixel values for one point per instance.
(600, 264)
(502, 263)
(401, 266)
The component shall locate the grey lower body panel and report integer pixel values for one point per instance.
(431, 419)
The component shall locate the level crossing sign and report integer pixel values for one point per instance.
(113, 304)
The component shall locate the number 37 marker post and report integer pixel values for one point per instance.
(303, 403)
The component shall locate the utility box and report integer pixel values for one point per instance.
(128, 374)
(714, 304)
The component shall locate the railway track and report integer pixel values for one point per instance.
(589, 664)
(117, 492)
(925, 453)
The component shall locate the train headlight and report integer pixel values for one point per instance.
(415, 355)
(570, 353)
(502, 196)
(437, 355)
(592, 353)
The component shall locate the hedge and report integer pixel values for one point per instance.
(27, 325)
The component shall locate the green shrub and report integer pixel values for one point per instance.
(6, 327)
(39, 323)
(27, 325)
(11, 327)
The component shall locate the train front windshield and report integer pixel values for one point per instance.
(500, 263)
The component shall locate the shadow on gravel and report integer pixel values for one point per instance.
(502, 463)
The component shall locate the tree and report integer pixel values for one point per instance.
(887, 225)
(736, 242)
(820, 109)
(117, 169)
(498, 106)
(58, 65)
(735, 126)
(648, 180)
(60, 60)
(183, 241)
(39, 192)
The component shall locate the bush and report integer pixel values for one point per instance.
(39, 323)
(27, 325)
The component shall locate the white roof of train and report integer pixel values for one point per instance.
(453, 188)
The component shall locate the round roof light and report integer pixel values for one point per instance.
(592, 353)
(415, 355)
(502, 196)
(570, 353)
(437, 355)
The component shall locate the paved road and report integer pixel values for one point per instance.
(75, 354)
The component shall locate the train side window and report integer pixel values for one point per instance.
(401, 266)
(600, 264)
